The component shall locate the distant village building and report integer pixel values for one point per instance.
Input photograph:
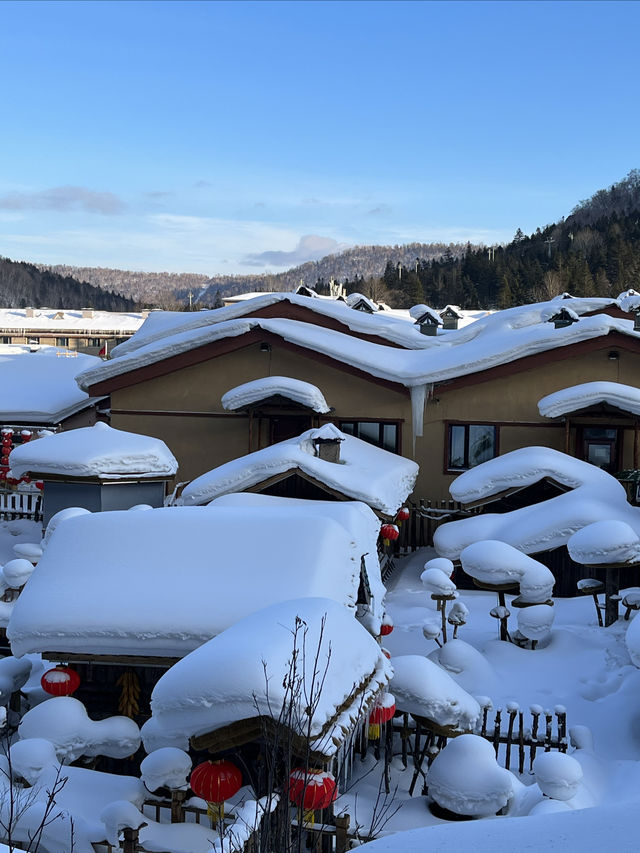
(88, 330)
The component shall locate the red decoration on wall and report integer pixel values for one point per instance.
(60, 681)
(389, 533)
(381, 713)
(403, 514)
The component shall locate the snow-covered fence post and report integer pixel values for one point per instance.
(512, 708)
(342, 833)
(535, 711)
(130, 842)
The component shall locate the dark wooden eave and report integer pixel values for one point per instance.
(119, 660)
(223, 346)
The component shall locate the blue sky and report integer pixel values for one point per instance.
(242, 137)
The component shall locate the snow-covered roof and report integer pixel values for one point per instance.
(283, 386)
(359, 299)
(488, 342)
(96, 451)
(594, 496)
(242, 674)
(365, 472)
(162, 582)
(420, 313)
(577, 397)
(57, 321)
(39, 384)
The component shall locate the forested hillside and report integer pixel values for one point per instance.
(594, 251)
(23, 285)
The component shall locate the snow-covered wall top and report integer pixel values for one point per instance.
(260, 389)
(577, 397)
(225, 680)
(40, 386)
(496, 339)
(96, 451)
(164, 581)
(365, 472)
(595, 496)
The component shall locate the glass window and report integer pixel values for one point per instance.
(470, 445)
(381, 434)
(62, 342)
(95, 342)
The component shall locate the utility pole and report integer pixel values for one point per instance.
(190, 301)
(549, 241)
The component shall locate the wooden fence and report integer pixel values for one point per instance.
(426, 516)
(20, 505)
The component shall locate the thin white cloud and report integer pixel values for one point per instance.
(311, 247)
(64, 199)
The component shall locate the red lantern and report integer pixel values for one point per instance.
(382, 712)
(389, 533)
(39, 485)
(60, 681)
(311, 790)
(403, 514)
(387, 626)
(26, 435)
(215, 782)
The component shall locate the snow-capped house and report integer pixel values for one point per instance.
(137, 590)
(39, 390)
(97, 468)
(244, 684)
(448, 401)
(321, 463)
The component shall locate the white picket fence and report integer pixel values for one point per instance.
(20, 505)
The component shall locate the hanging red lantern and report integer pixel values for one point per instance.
(215, 782)
(385, 652)
(26, 435)
(403, 514)
(39, 485)
(60, 681)
(387, 626)
(389, 533)
(382, 712)
(311, 791)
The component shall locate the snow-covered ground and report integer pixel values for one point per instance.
(582, 667)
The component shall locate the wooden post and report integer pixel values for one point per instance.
(635, 444)
(567, 436)
(611, 590)
(548, 732)
(520, 743)
(130, 844)
(342, 833)
(177, 802)
(250, 430)
(534, 737)
(496, 731)
(512, 719)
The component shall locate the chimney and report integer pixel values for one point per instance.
(328, 449)
(87, 313)
(29, 312)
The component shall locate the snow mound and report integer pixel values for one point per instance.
(63, 720)
(437, 582)
(96, 451)
(535, 622)
(558, 775)
(594, 496)
(167, 767)
(283, 386)
(466, 779)
(605, 542)
(421, 687)
(496, 563)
